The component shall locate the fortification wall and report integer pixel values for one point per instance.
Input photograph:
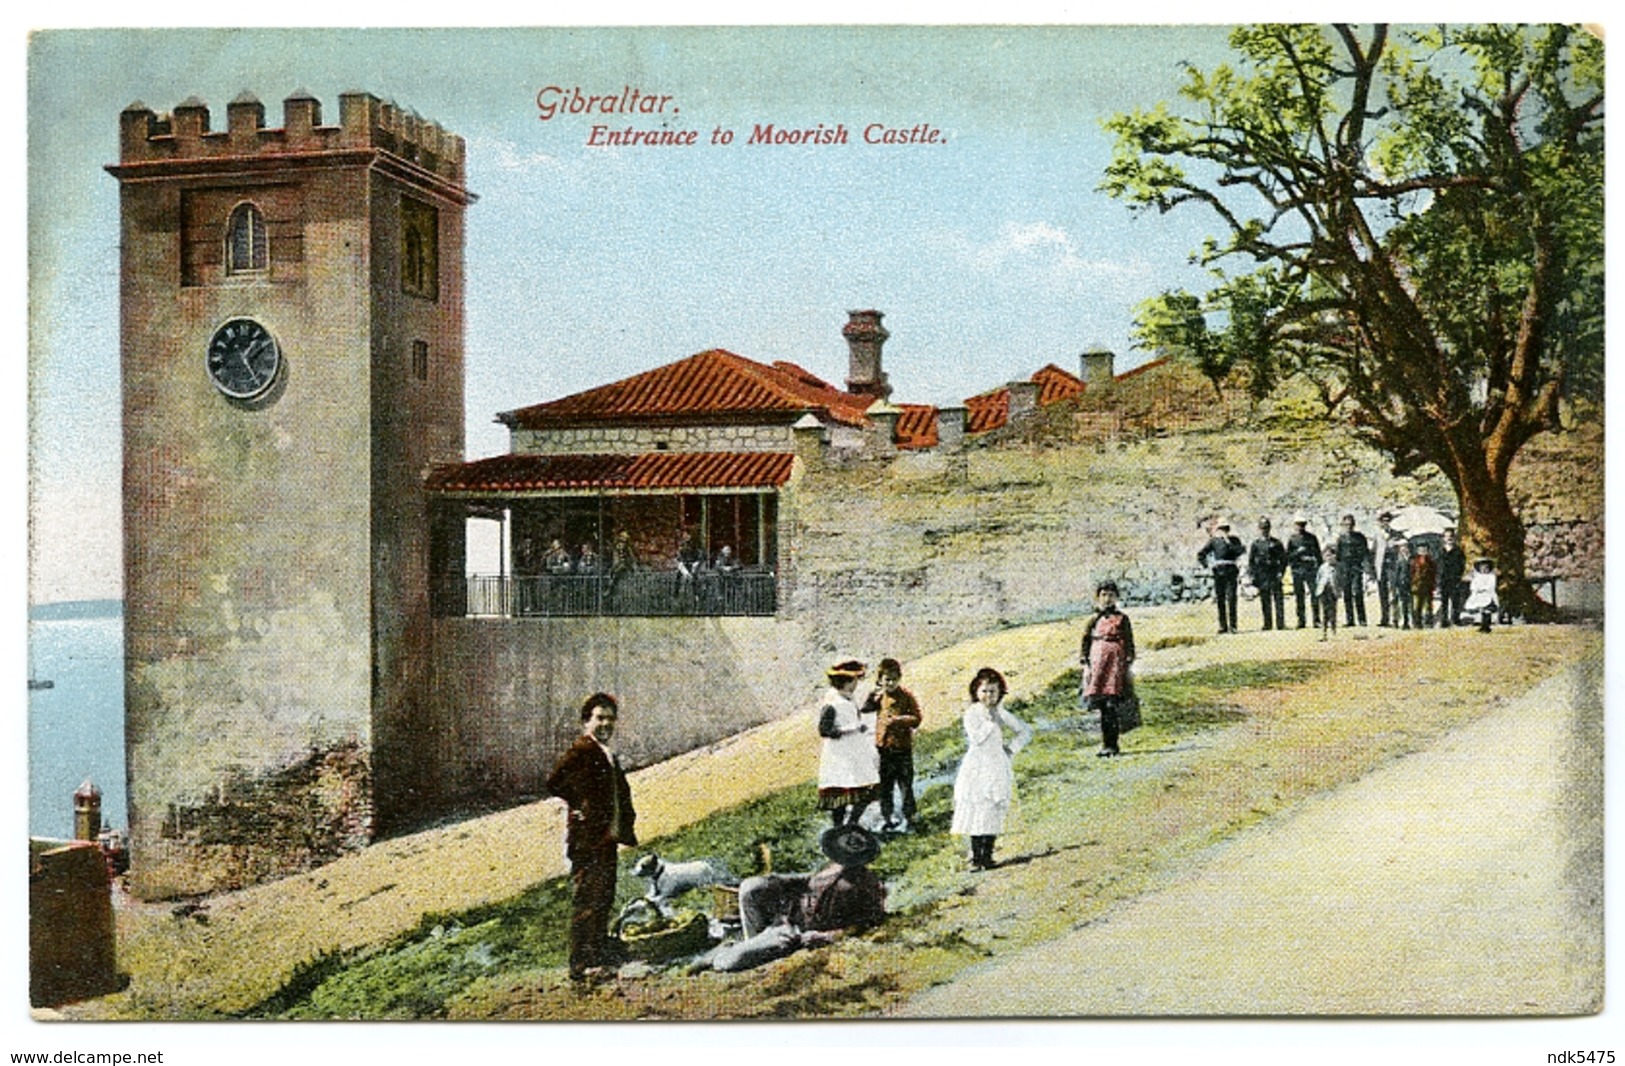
(506, 692)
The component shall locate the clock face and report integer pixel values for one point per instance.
(243, 359)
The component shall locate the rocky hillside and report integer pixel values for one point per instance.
(1021, 525)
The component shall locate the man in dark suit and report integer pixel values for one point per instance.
(1220, 555)
(1266, 565)
(1303, 555)
(1452, 590)
(589, 779)
(1353, 562)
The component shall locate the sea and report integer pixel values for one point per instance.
(76, 725)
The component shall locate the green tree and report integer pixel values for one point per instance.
(1411, 220)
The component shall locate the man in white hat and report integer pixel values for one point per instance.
(1303, 556)
(1220, 555)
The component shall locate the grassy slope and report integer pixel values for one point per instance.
(243, 947)
(1236, 730)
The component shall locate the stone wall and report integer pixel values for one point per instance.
(636, 440)
(507, 692)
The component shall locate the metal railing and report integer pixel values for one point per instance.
(638, 594)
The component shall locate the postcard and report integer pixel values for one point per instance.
(815, 523)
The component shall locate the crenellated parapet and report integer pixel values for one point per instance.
(366, 123)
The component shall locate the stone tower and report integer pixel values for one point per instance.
(291, 333)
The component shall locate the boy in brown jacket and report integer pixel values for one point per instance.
(898, 716)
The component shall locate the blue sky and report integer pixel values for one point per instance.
(990, 253)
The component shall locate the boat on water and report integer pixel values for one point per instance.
(35, 684)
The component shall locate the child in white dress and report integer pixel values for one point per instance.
(1481, 595)
(985, 784)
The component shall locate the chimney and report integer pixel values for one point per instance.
(1097, 367)
(864, 336)
(950, 428)
(883, 427)
(809, 440)
(1023, 402)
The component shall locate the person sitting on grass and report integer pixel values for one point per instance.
(782, 913)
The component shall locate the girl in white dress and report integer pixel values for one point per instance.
(1481, 594)
(985, 784)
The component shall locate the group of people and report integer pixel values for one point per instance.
(557, 561)
(868, 754)
(1408, 580)
(780, 913)
(868, 750)
(692, 560)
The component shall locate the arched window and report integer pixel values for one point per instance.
(245, 240)
(420, 249)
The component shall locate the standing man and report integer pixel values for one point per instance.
(1452, 568)
(589, 779)
(1266, 565)
(1353, 560)
(1220, 554)
(623, 562)
(1385, 584)
(1303, 556)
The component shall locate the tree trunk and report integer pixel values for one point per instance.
(1491, 529)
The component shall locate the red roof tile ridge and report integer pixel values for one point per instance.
(1143, 367)
(646, 470)
(800, 386)
(803, 373)
(1052, 369)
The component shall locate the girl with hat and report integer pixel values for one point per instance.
(985, 784)
(849, 766)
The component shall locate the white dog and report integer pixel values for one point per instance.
(668, 880)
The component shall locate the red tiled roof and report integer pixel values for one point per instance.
(1056, 384)
(991, 409)
(988, 411)
(651, 471)
(711, 384)
(917, 426)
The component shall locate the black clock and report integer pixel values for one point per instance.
(243, 359)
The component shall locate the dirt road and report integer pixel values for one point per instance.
(1464, 879)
